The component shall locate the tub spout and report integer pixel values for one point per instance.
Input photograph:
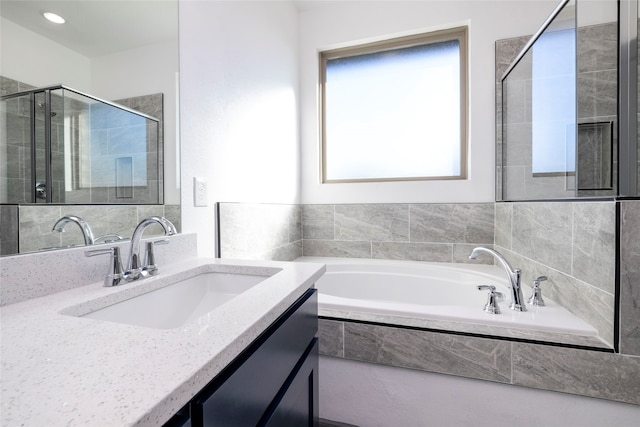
(517, 300)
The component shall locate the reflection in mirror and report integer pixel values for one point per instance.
(125, 52)
(558, 128)
(63, 146)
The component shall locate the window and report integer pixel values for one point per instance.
(395, 110)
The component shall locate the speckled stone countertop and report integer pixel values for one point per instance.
(58, 369)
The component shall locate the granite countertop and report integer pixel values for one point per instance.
(58, 369)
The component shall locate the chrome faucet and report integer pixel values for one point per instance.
(60, 225)
(134, 270)
(517, 300)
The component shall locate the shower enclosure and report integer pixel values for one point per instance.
(58, 145)
(567, 127)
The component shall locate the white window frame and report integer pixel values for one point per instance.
(458, 33)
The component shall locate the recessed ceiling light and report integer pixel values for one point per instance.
(53, 17)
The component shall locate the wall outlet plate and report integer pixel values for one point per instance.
(200, 193)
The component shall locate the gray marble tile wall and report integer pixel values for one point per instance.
(576, 371)
(574, 245)
(630, 277)
(9, 227)
(36, 221)
(260, 231)
(417, 232)
(15, 166)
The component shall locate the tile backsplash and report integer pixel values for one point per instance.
(574, 245)
(35, 223)
(417, 232)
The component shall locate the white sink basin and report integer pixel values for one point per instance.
(177, 304)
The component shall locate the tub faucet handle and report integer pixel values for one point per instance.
(536, 294)
(492, 299)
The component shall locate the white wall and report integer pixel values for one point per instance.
(371, 395)
(33, 59)
(144, 71)
(238, 106)
(345, 22)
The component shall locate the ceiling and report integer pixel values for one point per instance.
(95, 28)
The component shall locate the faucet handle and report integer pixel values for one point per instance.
(492, 299)
(536, 294)
(116, 272)
(150, 267)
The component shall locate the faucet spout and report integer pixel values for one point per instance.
(134, 269)
(513, 274)
(60, 225)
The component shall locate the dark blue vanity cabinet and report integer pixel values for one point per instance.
(274, 382)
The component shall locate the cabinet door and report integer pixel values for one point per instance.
(243, 392)
(298, 401)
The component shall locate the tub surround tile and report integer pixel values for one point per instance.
(587, 373)
(594, 244)
(419, 232)
(386, 223)
(335, 248)
(542, 231)
(318, 222)
(433, 252)
(286, 252)
(447, 326)
(331, 338)
(583, 372)
(452, 223)
(260, 231)
(447, 354)
(503, 225)
(587, 302)
(630, 278)
(573, 244)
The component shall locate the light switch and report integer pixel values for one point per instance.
(200, 197)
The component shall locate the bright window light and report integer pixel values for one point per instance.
(396, 113)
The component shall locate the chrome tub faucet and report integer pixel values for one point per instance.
(517, 300)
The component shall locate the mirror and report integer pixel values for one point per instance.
(109, 59)
(559, 109)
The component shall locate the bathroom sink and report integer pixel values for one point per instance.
(177, 304)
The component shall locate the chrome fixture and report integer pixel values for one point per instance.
(492, 299)
(536, 295)
(134, 270)
(109, 238)
(517, 301)
(116, 275)
(60, 225)
(150, 266)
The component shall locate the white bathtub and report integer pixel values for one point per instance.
(363, 289)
